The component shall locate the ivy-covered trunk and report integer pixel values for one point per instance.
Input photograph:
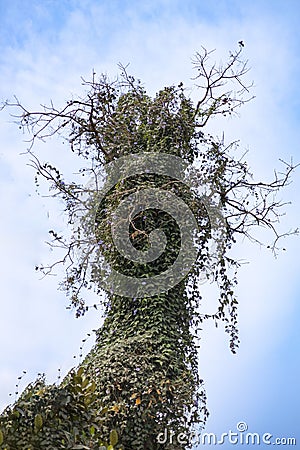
(145, 361)
(145, 367)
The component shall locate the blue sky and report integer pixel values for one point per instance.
(45, 48)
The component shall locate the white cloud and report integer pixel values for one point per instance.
(36, 330)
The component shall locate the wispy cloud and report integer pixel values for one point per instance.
(44, 54)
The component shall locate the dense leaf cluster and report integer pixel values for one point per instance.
(56, 417)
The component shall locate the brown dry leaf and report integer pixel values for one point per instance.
(133, 396)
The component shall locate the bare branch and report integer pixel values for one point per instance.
(213, 101)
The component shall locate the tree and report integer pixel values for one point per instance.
(164, 204)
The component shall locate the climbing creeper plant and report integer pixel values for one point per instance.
(179, 187)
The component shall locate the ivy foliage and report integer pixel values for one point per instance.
(141, 377)
(56, 417)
